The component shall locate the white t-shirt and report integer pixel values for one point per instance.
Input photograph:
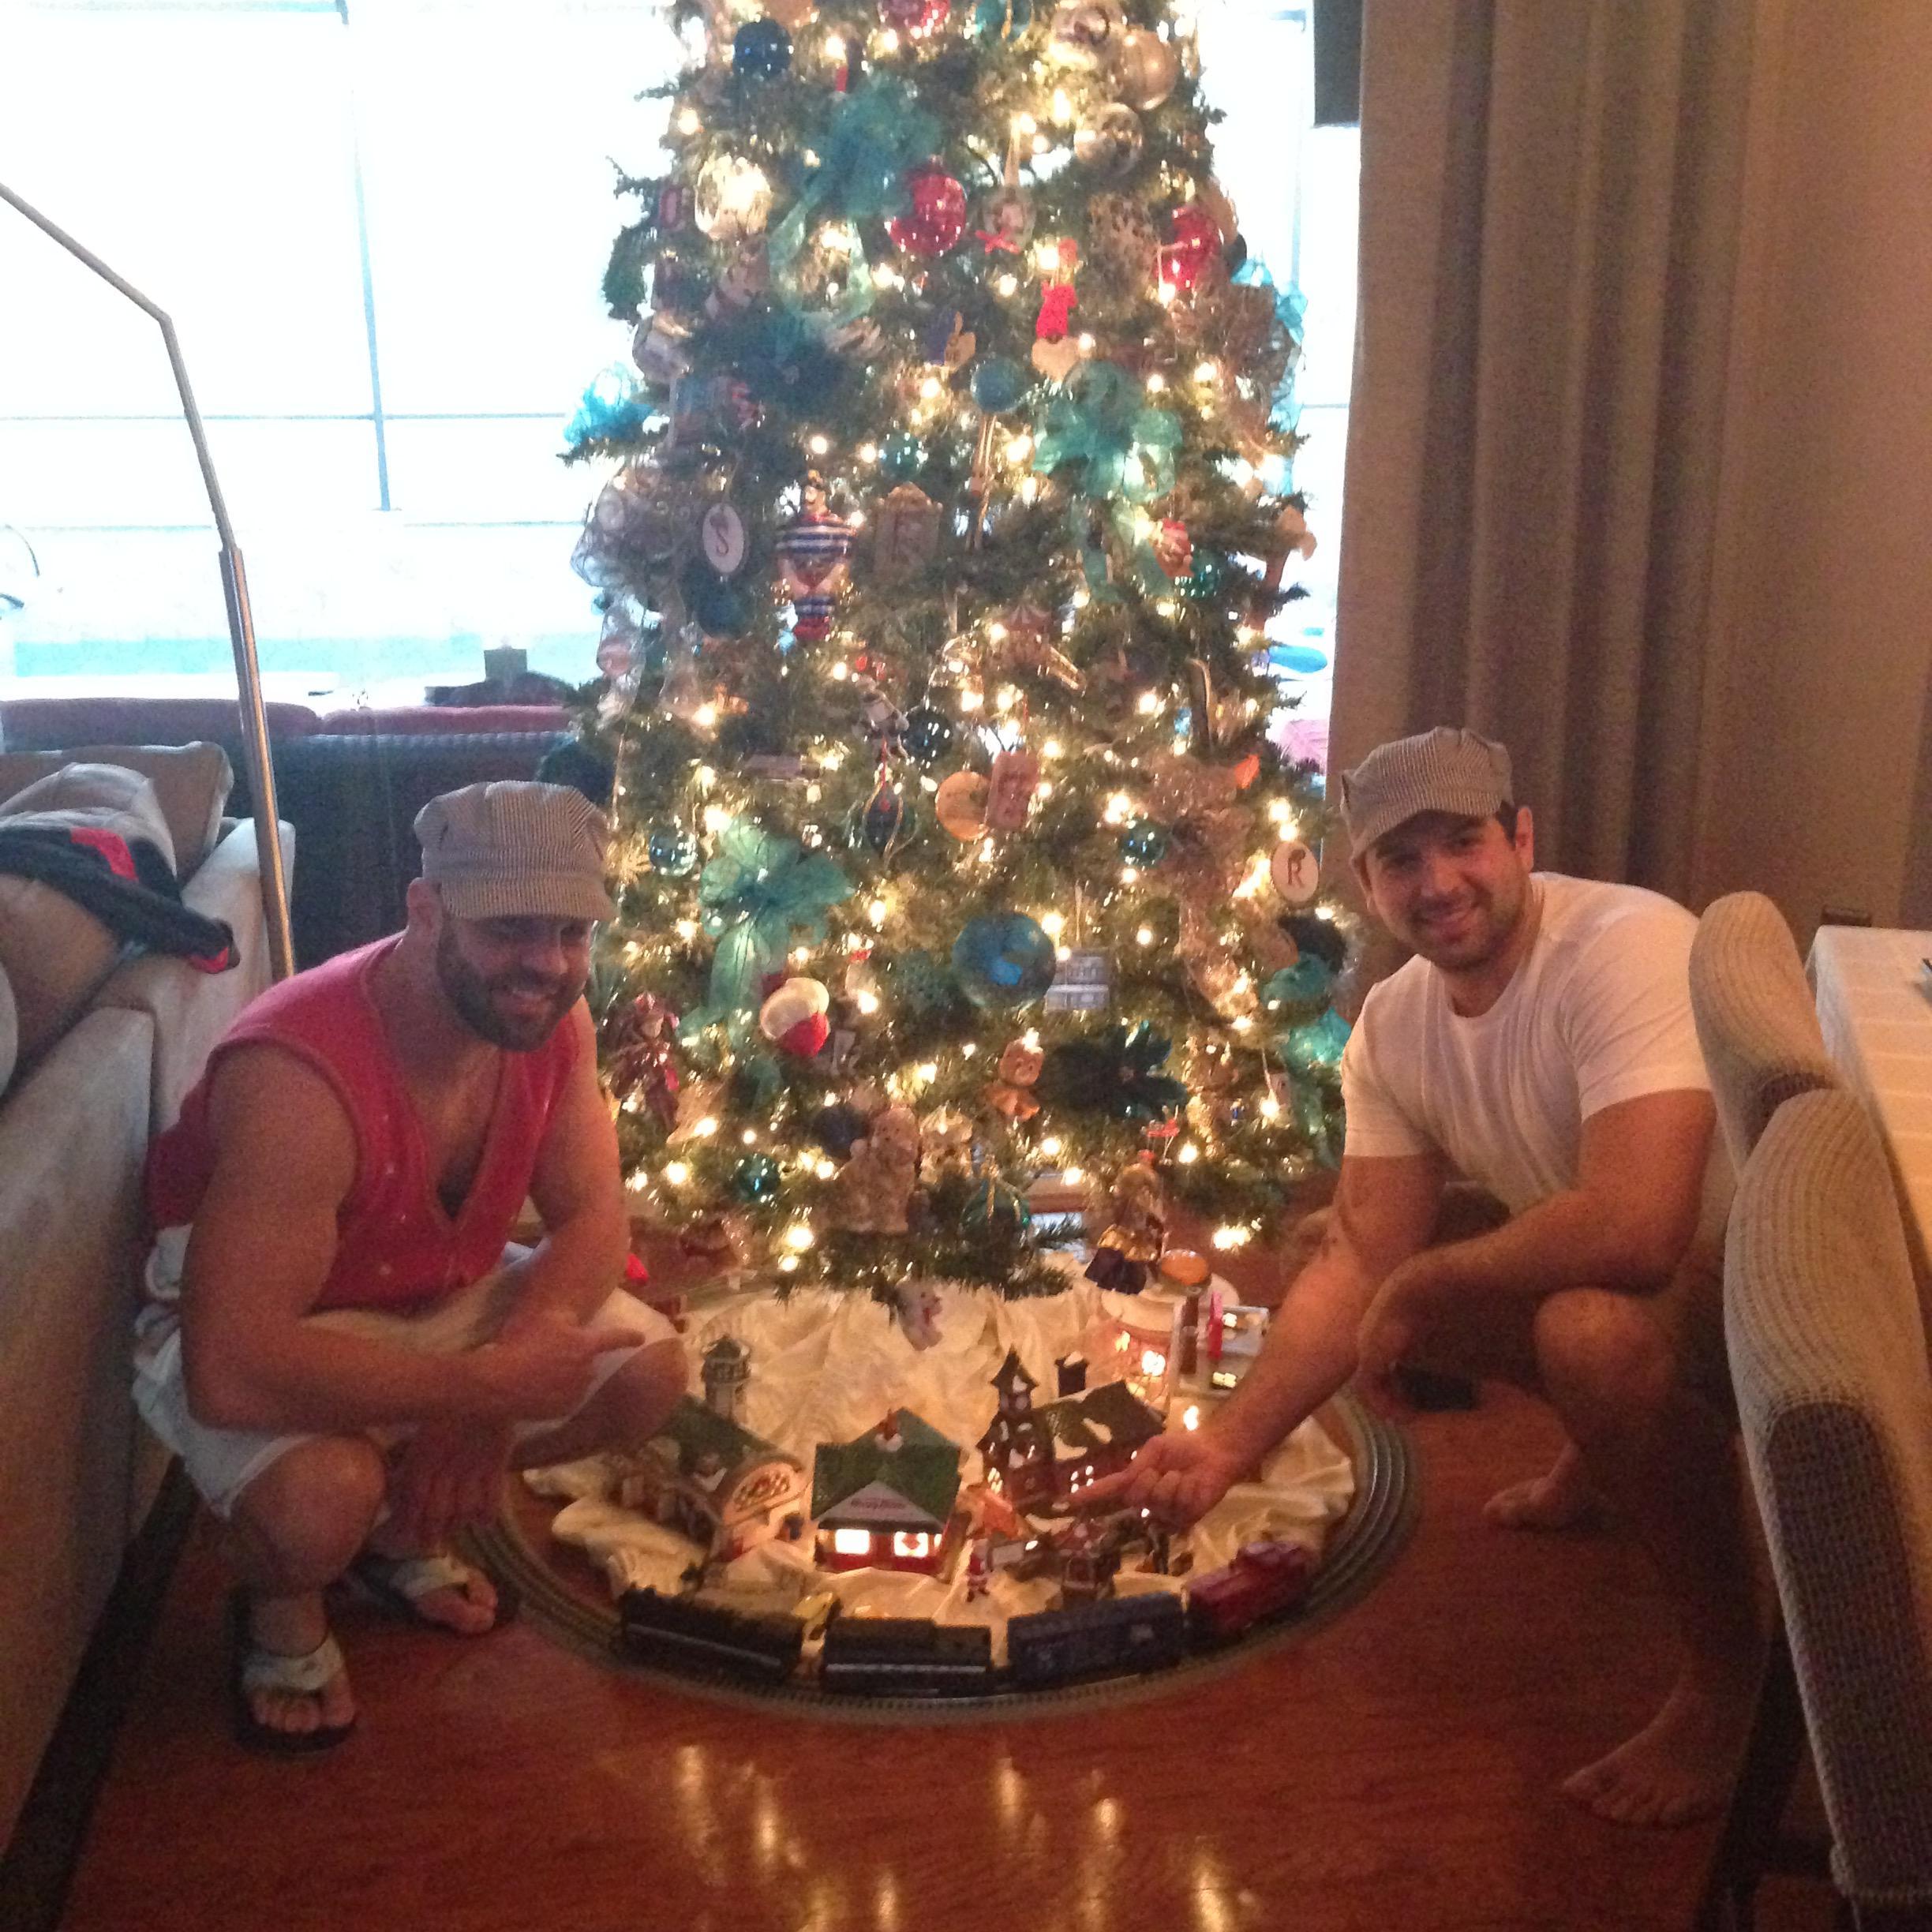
(1599, 1011)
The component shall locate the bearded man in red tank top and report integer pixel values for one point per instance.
(335, 1336)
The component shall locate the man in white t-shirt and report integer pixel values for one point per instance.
(1540, 1044)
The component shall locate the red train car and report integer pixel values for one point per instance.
(1264, 1578)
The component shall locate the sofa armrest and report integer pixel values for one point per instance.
(192, 1010)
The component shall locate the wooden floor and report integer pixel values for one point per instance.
(1395, 1769)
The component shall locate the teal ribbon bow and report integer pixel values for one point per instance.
(758, 889)
(1096, 418)
(874, 135)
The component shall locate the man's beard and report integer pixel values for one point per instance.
(476, 1000)
(1486, 928)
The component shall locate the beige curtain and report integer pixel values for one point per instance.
(1549, 190)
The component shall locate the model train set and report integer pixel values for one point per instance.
(918, 1657)
(770, 1542)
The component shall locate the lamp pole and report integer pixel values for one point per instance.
(235, 595)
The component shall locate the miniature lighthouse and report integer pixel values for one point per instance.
(727, 1368)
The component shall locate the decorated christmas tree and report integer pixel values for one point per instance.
(951, 497)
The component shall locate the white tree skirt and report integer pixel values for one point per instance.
(826, 1366)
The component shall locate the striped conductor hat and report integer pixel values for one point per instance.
(1443, 770)
(513, 850)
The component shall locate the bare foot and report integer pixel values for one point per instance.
(466, 1604)
(292, 1627)
(1680, 1767)
(1561, 1499)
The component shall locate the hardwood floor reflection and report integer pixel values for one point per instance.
(1396, 1770)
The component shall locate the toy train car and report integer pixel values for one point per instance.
(906, 1656)
(682, 1633)
(1116, 1635)
(1264, 1580)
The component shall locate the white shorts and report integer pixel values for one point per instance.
(221, 1463)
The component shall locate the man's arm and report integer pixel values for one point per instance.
(1385, 1210)
(1625, 1224)
(578, 1192)
(263, 1244)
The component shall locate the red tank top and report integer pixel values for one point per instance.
(396, 1244)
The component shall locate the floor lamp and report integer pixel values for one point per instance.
(240, 621)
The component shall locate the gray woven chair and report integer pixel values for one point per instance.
(1756, 1020)
(1829, 1359)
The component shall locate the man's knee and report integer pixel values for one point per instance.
(313, 1507)
(1602, 1357)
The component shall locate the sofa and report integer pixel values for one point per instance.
(350, 782)
(113, 1037)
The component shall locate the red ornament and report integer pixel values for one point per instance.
(1056, 311)
(1173, 549)
(917, 18)
(936, 218)
(1193, 245)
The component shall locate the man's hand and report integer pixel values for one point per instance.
(1389, 1329)
(540, 1370)
(447, 1476)
(1179, 1477)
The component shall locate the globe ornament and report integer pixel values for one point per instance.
(755, 1180)
(999, 384)
(929, 734)
(914, 18)
(1110, 143)
(1144, 842)
(672, 850)
(959, 805)
(761, 50)
(1193, 246)
(902, 455)
(1208, 578)
(1003, 960)
(1145, 67)
(936, 216)
(733, 199)
(837, 1126)
(1085, 31)
(721, 606)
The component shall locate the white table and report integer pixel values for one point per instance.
(1874, 1004)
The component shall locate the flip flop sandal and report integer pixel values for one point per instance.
(250, 1668)
(399, 1583)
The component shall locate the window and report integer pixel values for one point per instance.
(380, 226)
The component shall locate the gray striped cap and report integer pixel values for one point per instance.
(513, 850)
(1443, 770)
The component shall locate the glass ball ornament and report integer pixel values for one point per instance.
(721, 606)
(935, 216)
(1111, 142)
(672, 850)
(761, 50)
(1208, 577)
(755, 1180)
(888, 818)
(929, 734)
(733, 199)
(915, 18)
(1193, 244)
(999, 384)
(1003, 960)
(1145, 67)
(902, 455)
(1144, 842)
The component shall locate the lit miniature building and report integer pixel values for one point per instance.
(1041, 1458)
(886, 1500)
(725, 1488)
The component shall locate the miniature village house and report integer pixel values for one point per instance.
(886, 1498)
(704, 1472)
(1043, 1459)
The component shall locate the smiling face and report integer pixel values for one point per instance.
(511, 980)
(1456, 890)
